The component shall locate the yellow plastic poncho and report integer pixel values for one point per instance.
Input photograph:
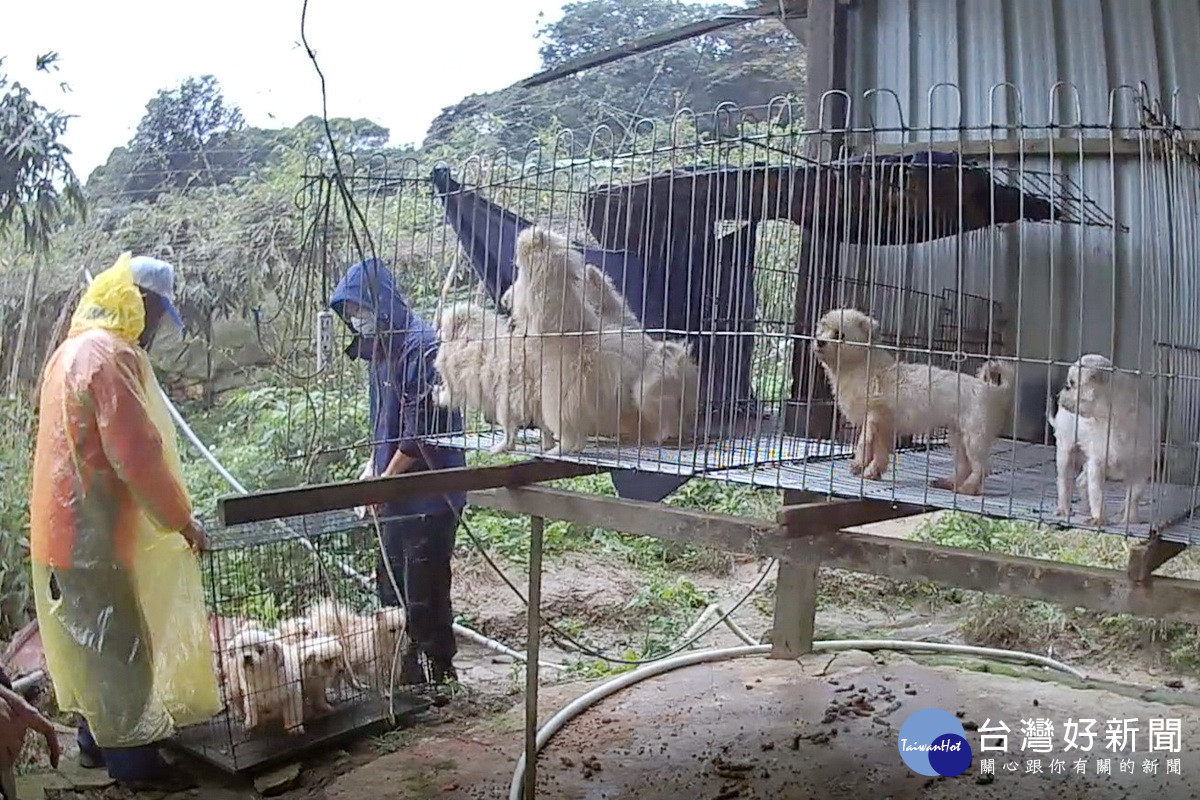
(119, 596)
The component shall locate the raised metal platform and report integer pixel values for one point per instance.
(1021, 486)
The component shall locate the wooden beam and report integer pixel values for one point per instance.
(722, 531)
(796, 589)
(281, 503)
(837, 514)
(1147, 556)
(1105, 590)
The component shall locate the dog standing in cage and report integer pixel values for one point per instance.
(484, 366)
(888, 398)
(601, 373)
(418, 534)
(1104, 424)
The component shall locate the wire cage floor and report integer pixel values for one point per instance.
(264, 573)
(1021, 485)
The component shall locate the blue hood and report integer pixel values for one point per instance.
(370, 284)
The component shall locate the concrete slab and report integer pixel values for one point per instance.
(825, 727)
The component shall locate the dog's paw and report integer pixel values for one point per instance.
(1062, 511)
(498, 448)
(296, 730)
(856, 468)
(943, 483)
(873, 473)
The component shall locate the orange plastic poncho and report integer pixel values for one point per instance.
(119, 595)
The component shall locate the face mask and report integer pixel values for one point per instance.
(364, 326)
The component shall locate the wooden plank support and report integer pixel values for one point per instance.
(722, 531)
(281, 503)
(796, 589)
(1105, 590)
(837, 514)
(1147, 556)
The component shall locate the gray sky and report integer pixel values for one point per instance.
(398, 63)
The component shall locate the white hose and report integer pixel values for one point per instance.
(346, 569)
(623, 681)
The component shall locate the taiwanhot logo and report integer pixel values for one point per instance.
(933, 742)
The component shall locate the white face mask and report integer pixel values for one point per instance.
(365, 326)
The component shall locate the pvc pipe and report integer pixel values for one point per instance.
(609, 688)
(26, 682)
(347, 570)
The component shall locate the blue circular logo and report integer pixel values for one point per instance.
(932, 742)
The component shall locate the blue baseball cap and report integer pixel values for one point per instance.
(157, 276)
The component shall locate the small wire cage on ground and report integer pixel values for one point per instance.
(980, 242)
(303, 653)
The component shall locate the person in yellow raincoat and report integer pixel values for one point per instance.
(116, 581)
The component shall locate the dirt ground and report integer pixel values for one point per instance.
(744, 729)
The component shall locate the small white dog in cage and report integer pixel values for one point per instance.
(323, 666)
(267, 677)
(484, 367)
(887, 398)
(667, 391)
(1104, 424)
(371, 643)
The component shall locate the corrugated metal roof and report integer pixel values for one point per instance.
(938, 56)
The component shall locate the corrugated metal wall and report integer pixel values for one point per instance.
(969, 65)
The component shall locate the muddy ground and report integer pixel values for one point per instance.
(752, 728)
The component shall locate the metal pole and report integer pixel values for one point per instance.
(532, 646)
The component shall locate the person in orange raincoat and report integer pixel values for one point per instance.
(116, 582)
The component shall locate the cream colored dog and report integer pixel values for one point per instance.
(267, 679)
(322, 667)
(667, 391)
(484, 367)
(1104, 423)
(584, 377)
(887, 398)
(371, 643)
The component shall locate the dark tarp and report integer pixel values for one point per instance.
(489, 232)
(874, 200)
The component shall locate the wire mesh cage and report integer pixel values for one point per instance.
(1000, 252)
(303, 652)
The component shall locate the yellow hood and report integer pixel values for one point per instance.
(112, 302)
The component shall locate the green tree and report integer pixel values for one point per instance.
(38, 188)
(748, 65)
(188, 137)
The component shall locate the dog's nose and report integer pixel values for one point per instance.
(248, 659)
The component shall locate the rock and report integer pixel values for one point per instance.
(1174, 683)
(82, 778)
(277, 781)
(34, 786)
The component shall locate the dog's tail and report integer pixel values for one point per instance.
(997, 373)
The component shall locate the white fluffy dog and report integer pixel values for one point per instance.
(585, 386)
(887, 398)
(322, 667)
(370, 643)
(601, 293)
(484, 367)
(266, 678)
(1104, 423)
(667, 392)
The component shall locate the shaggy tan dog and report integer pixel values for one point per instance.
(1105, 420)
(484, 367)
(887, 398)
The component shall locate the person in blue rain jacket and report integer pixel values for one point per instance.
(418, 532)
